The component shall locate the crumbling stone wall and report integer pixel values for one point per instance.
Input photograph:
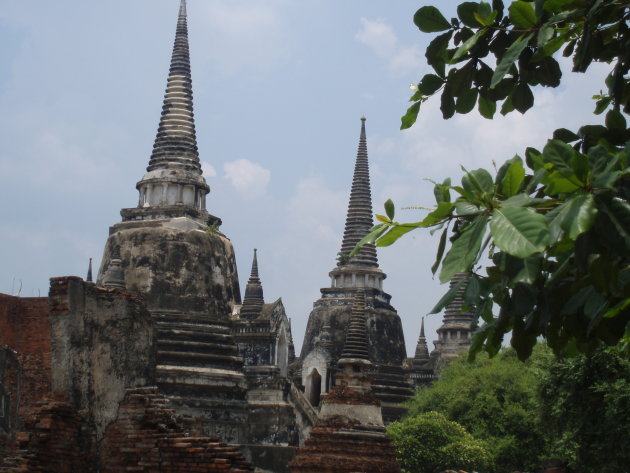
(148, 437)
(102, 344)
(52, 441)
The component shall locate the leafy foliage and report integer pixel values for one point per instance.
(429, 443)
(553, 224)
(496, 400)
(586, 410)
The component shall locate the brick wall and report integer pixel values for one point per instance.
(52, 441)
(25, 329)
(148, 437)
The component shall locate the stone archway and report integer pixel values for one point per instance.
(282, 353)
(315, 387)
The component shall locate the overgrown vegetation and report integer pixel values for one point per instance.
(575, 409)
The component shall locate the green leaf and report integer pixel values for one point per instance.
(618, 210)
(466, 102)
(375, 232)
(479, 180)
(465, 208)
(440, 251)
(565, 135)
(616, 310)
(430, 84)
(429, 20)
(487, 108)
(558, 182)
(575, 216)
(519, 231)
(436, 52)
(464, 249)
(552, 6)
(615, 120)
(447, 103)
(442, 191)
(390, 209)
(530, 271)
(394, 234)
(466, 13)
(513, 179)
(467, 45)
(509, 57)
(601, 105)
(442, 211)
(522, 14)
(558, 153)
(522, 98)
(383, 219)
(545, 34)
(410, 117)
(449, 296)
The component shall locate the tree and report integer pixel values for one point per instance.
(586, 410)
(429, 443)
(554, 224)
(496, 400)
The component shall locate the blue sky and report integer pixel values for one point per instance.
(279, 88)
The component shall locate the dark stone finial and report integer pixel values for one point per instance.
(422, 328)
(359, 217)
(89, 273)
(254, 299)
(114, 275)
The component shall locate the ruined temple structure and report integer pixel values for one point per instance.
(454, 337)
(350, 434)
(325, 332)
(159, 366)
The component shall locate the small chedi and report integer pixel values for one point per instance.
(158, 365)
(349, 435)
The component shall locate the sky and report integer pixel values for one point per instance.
(279, 88)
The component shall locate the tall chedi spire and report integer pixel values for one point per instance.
(186, 274)
(422, 350)
(359, 217)
(362, 269)
(174, 179)
(253, 300)
(332, 323)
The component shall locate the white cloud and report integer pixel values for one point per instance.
(240, 34)
(378, 35)
(248, 178)
(317, 208)
(382, 39)
(208, 169)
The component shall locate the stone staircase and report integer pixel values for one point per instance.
(194, 340)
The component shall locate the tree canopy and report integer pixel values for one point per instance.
(497, 401)
(575, 409)
(430, 443)
(554, 224)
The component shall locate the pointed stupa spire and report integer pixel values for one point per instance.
(89, 273)
(176, 140)
(174, 176)
(356, 346)
(422, 350)
(359, 218)
(253, 300)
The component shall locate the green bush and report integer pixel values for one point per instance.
(430, 443)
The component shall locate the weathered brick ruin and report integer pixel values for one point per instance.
(158, 366)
